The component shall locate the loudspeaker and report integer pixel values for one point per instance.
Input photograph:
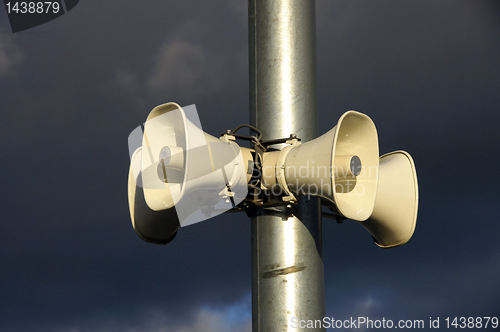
(184, 168)
(395, 214)
(158, 227)
(340, 166)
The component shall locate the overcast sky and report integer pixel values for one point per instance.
(427, 73)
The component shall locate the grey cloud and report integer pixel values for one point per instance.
(230, 317)
(188, 67)
(213, 321)
(427, 72)
(202, 319)
(184, 67)
(10, 55)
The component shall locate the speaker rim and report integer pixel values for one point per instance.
(336, 199)
(161, 218)
(158, 111)
(416, 197)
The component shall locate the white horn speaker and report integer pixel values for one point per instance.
(186, 168)
(340, 166)
(395, 214)
(158, 227)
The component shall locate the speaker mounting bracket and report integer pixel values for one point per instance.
(253, 203)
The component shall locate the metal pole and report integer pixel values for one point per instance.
(287, 265)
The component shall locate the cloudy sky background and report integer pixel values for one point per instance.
(427, 72)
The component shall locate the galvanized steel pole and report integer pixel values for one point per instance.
(287, 265)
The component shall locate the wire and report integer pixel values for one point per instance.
(251, 127)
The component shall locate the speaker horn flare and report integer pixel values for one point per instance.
(395, 213)
(340, 166)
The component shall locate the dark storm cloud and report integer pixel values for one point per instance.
(427, 72)
(74, 257)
